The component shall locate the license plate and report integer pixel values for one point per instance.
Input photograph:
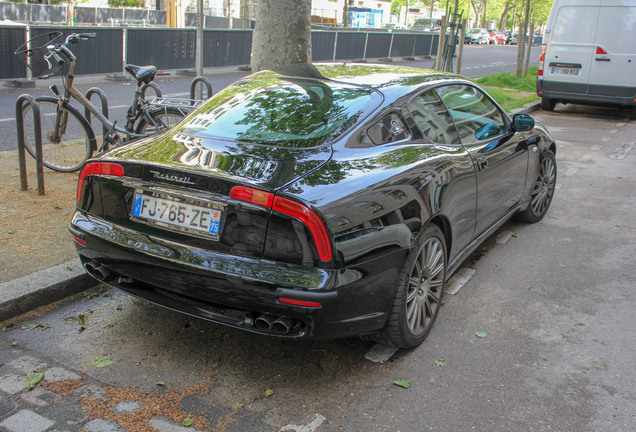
(565, 71)
(175, 213)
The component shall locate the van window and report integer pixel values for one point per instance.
(619, 34)
(575, 24)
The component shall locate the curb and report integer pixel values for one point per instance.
(530, 107)
(42, 288)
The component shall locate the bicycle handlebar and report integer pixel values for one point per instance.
(76, 37)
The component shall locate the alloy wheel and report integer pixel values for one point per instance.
(425, 287)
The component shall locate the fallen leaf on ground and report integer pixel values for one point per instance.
(238, 406)
(101, 361)
(480, 334)
(268, 393)
(33, 379)
(8, 327)
(188, 421)
(403, 383)
(161, 383)
(599, 366)
(29, 325)
(441, 362)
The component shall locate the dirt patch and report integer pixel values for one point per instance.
(34, 229)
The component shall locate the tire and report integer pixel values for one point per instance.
(632, 112)
(543, 191)
(419, 292)
(77, 141)
(165, 117)
(548, 104)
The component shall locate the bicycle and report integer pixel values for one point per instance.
(68, 139)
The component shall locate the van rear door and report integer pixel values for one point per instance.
(569, 50)
(613, 66)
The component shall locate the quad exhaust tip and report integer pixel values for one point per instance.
(279, 325)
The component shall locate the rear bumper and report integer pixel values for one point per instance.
(586, 94)
(236, 291)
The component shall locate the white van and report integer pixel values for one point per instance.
(589, 54)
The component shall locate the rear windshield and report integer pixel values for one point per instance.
(283, 112)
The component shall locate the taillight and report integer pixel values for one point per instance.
(600, 50)
(98, 168)
(541, 61)
(290, 208)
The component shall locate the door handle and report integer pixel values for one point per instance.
(602, 59)
(482, 163)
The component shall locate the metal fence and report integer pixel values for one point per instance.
(169, 48)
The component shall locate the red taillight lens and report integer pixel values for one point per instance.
(290, 208)
(299, 302)
(541, 61)
(79, 241)
(98, 168)
(253, 196)
(600, 50)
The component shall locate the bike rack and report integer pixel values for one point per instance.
(87, 113)
(205, 81)
(37, 129)
(154, 86)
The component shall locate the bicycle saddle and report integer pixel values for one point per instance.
(141, 73)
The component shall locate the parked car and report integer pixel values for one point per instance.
(425, 24)
(305, 207)
(497, 38)
(515, 37)
(588, 55)
(477, 36)
(393, 26)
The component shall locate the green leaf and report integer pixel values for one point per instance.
(8, 327)
(30, 325)
(515, 235)
(238, 406)
(11, 231)
(188, 421)
(161, 383)
(101, 362)
(441, 362)
(599, 366)
(14, 344)
(57, 207)
(268, 393)
(33, 379)
(403, 383)
(480, 334)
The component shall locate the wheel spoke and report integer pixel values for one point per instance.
(410, 308)
(432, 256)
(411, 296)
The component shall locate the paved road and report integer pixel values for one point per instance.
(556, 302)
(479, 60)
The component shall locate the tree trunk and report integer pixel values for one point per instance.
(521, 40)
(514, 14)
(530, 40)
(282, 35)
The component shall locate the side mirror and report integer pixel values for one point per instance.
(522, 122)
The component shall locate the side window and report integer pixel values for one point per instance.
(390, 129)
(475, 116)
(433, 119)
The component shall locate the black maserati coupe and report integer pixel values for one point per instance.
(314, 207)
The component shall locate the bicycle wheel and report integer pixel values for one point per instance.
(76, 144)
(164, 117)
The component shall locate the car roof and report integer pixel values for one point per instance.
(392, 81)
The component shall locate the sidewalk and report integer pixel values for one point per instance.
(39, 261)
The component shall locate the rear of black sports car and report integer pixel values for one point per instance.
(204, 220)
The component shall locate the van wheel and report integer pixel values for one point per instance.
(547, 104)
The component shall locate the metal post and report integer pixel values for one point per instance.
(391, 45)
(199, 53)
(206, 82)
(37, 132)
(335, 46)
(87, 113)
(366, 41)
